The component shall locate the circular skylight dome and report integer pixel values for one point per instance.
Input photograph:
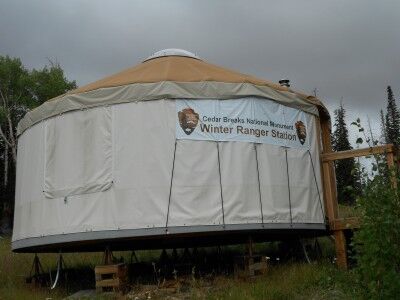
(172, 52)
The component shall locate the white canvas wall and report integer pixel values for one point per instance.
(139, 164)
(143, 156)
(240, 183)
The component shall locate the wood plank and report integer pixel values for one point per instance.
(341, 252)
(328, 178)
(330, 210)
(331, 156)
(320, 143)
(344, 223)
(392, 171)
(329, 184)
(109, 283)
(108, 269)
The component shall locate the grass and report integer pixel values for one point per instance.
(15, 267)
(289, 280)
(292, 281)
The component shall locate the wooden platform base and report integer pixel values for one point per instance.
(111, 277)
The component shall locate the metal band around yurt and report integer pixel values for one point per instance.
(259, 185)
(288, 185)
(316, 183)
(170, 187)
(220, 184)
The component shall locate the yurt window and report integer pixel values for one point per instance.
(78, 153)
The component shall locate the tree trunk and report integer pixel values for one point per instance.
(5, 165)
(9, 140)
(12, 139)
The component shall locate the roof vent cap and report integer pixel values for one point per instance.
(172, 52)
(284, 82)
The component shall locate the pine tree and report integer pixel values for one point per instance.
(383, 139)
(346, 179)
(392, 120)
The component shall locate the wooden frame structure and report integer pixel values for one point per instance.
(111, 277)
(338, 225)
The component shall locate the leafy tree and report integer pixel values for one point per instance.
(392, 119)
(345, 178)
(21, 90)
(48, 83)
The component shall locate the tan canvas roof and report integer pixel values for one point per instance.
(174, 68)
(170, 77)
(181, 69)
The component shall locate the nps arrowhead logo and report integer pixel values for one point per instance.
(301, 131)
(188, 120)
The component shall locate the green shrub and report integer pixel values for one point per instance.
(377, 243)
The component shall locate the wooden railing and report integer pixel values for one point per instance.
(384, 149)
(338, 225)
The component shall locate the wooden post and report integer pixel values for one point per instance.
(107, 256)
(250, 246)
(331, 203)
(390, 163)
(250, 258)
(341, 249)
(336, 225)
(249, 264)
(329, 181)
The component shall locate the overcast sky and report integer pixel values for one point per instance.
(344, 49)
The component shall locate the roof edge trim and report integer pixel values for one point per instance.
(163, 90)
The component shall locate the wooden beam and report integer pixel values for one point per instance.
(392, 172)
(321, 169)
(328, 172)
(331, 203)
(329, 183)
(344, 223)
(111, 282)
(331, 156)
(390, 159)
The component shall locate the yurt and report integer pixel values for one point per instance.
(173, 151)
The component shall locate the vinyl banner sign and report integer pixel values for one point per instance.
(244, 120)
